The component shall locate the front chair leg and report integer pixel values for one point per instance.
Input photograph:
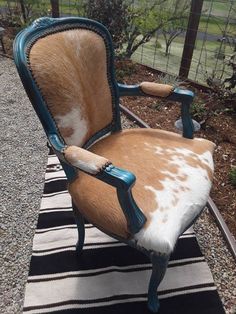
(159, 266)
(79, 220)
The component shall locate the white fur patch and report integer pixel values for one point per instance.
(74, 121)
(178, 203)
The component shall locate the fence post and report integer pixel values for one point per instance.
(190, 37)
(55, 8)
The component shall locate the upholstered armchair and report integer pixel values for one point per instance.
(144, 187)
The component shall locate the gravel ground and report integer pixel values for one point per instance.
(23, 162)
(219, 260)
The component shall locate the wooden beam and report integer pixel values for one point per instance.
(190, 37)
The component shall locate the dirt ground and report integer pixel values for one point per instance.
(219, 128)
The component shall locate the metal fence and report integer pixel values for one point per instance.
(207, 56)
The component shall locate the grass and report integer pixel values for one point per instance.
(215, 26)
(219, 8)
(204, 61)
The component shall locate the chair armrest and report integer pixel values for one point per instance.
(103, 170)
(85, 160)
(146, 89)
(156, 89)
(166, 92)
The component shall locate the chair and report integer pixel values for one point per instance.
(66, 66)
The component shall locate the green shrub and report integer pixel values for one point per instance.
(19, 14)
(198, 111)
(223, 90)
(169, 79)
(232, 176)
(112, 14)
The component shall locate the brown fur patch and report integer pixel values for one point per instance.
(71, 70)
(98, 201)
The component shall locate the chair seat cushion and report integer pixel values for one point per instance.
(174, 177)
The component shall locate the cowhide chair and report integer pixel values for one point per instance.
(66, 66)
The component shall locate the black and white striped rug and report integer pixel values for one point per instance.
(109, 277)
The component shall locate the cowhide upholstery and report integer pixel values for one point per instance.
(174, 177)
(70, 68)
(155, 89)
(85, 160)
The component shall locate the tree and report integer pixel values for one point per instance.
(111, 13)
(28, 10)
(174, 28)
(145, 18)
(133, 22)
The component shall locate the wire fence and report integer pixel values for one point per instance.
(207, 57)
(214, 46)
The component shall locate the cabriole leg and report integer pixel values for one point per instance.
(159, 265)
(79, 220)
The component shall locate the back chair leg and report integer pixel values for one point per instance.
(159, 266)
(81, 231)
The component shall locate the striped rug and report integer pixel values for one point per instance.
(109, 277)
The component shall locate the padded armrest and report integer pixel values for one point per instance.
(155, 89)
(85, 160)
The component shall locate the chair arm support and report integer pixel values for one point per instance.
(103, 170)
(166, 92)
(124, 180)
(185, 97)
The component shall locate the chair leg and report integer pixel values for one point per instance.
(81, 231)
(159, 266)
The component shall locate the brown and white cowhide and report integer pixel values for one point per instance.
(174, 177)
(70, 68)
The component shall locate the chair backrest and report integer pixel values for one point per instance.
(66, 66)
